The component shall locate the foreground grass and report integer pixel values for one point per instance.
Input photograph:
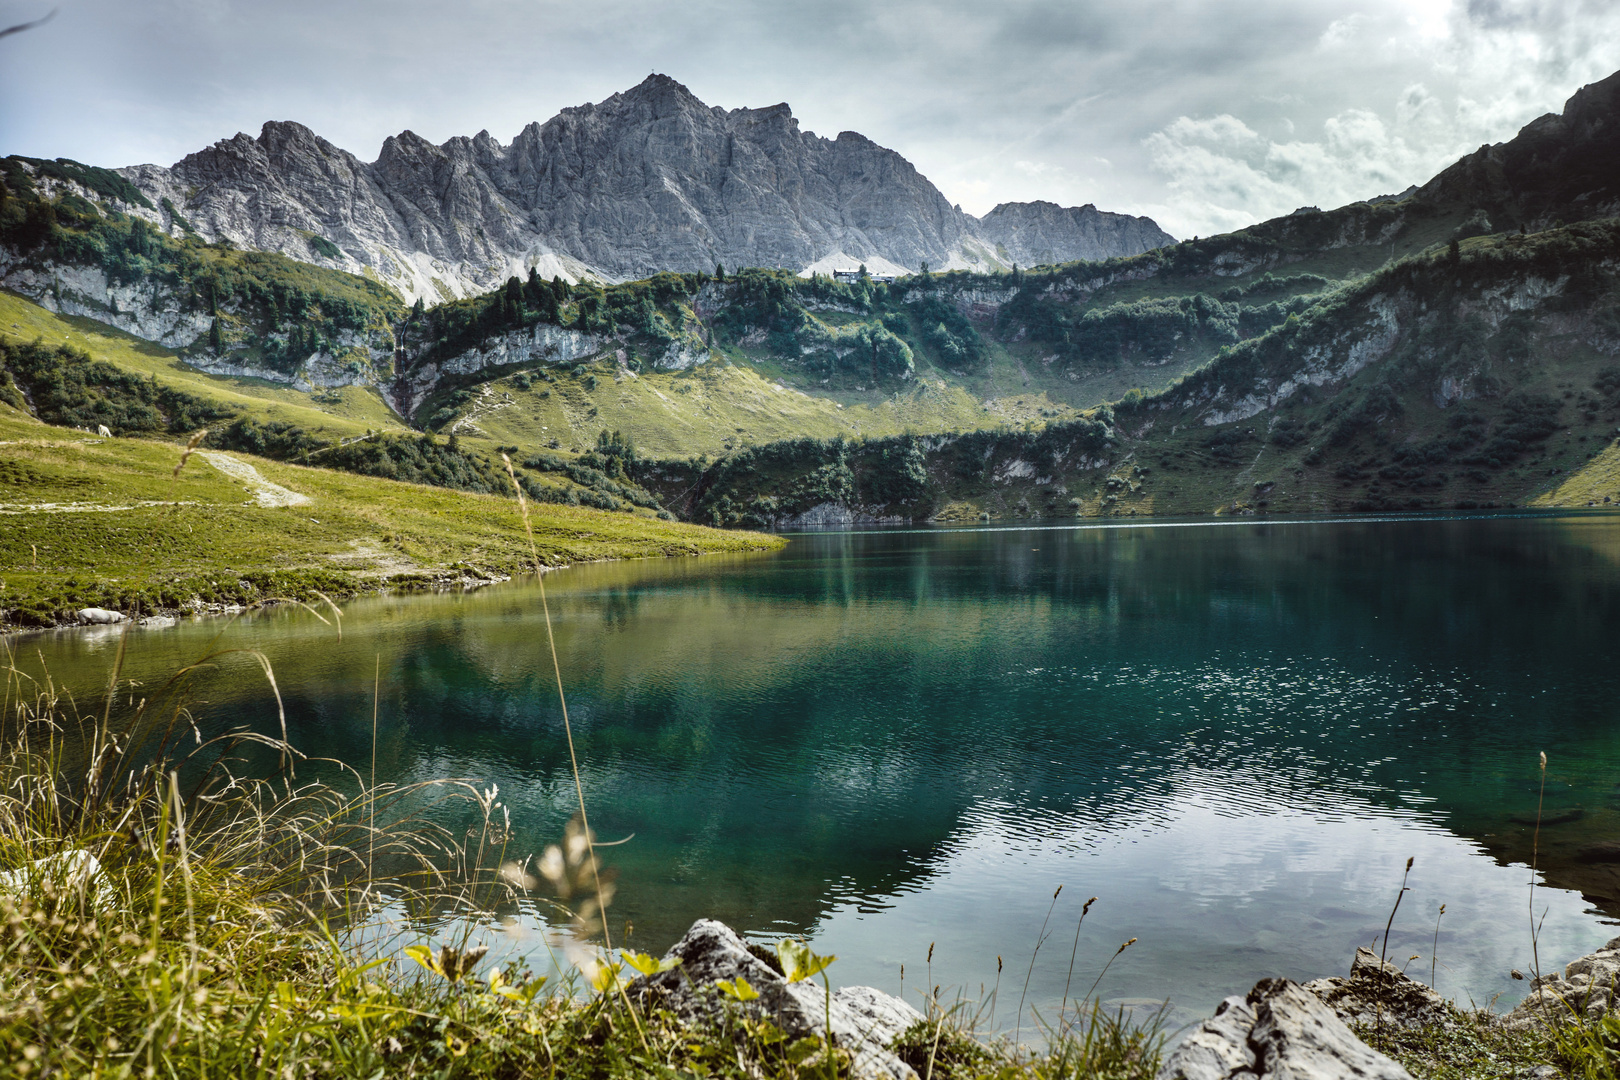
(106, 523)
(1472, 1045)
(1469, 1046)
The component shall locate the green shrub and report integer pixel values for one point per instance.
(70, 388)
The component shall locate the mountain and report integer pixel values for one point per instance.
(1475, 363)
(1043, 232)
(1560, 167)
(1455, 344)
(651, 179)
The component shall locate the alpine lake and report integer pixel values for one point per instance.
(901, 742)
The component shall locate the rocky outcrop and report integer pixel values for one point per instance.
(1281, 1030)
(146, 308)
(836, 514)
(1585, 989)
(1378, 992)
(542, 343)
(651, 179)
(1041, 232)
(151, 308)
(861, 1020)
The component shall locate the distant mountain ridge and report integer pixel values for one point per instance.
(651, 179)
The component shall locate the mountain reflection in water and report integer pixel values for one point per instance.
(1232, 734)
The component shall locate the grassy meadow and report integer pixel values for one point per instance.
(93, 522)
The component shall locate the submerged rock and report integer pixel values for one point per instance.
(1379, 992)
(1585, 990)
(861, 1020)
(1278, 1030)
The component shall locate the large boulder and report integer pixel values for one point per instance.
(1378, 992)
(861, 1020)
(1282, 1031)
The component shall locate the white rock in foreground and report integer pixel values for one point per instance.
(1282, 1031)
(864, 1021)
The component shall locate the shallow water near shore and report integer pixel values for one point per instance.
(1232, 734)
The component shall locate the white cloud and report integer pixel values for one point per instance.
(1494, 65)
(1222, 174)
(1341, 33)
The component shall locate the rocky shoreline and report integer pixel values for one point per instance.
(1279, 1029)
(90, 618)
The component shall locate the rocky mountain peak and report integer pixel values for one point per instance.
(1044, 232)
(650, 179)
(661, 92)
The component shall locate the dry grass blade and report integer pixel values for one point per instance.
(603, 891)
(191, 448)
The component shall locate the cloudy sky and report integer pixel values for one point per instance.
(1204, 114)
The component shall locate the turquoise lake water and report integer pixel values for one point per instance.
(1233, 735)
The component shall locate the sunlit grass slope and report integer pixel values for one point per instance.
(715, 407)
(92, 522)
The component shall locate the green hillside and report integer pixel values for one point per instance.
(336, 413)
(92, 522)
(1476, 375)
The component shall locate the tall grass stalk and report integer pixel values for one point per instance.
(1383, 950)
(376, 690)
(1535, 858)
(1040, 939)
(562, 698)
(600, 899)
(1073, 952)
(1098, 980)
(1434, 951)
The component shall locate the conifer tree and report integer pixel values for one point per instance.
(216, 339)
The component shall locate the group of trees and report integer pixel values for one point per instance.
(416, 459)
(606, 474)
(1152, 330)
(69, 387)
(760, 485)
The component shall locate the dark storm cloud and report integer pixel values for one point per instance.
(1205, 115)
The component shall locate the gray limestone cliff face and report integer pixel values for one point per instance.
(1041, 232)
(651, 179)
(147, 309)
